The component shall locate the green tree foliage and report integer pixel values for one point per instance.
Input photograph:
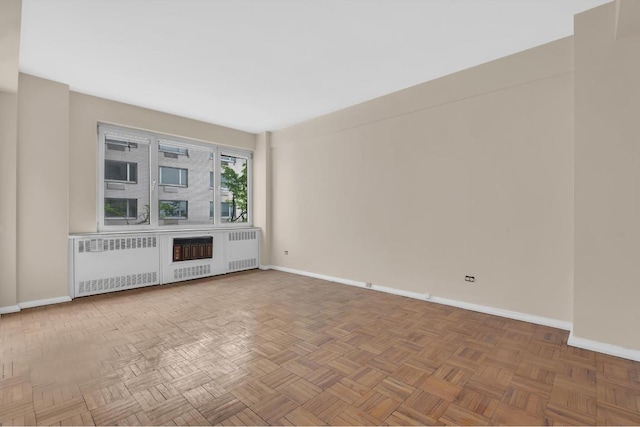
(237, 186)
(168, 210)
(116, 209)
(119, 209)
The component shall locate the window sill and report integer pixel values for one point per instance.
(165, 229)
(120, 182)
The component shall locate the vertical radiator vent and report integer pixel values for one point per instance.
(96, 286)
(119, 244)
(243, 264)
(242, 235)
(194, 271)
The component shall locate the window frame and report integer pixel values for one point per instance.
(180, 185)
(166, 147)
(221, 210)
(127, 200)
(128, 180)
(248, 155)
(153, 140)
(186, 208)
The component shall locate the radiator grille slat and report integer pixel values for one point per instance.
(242, 235)
(243, 264)
(119, 244)
(193, 271)
(106, 284)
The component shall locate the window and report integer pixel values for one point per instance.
(124, 191)
(120, 171)
(173, 209)
(125, 209)
(234, 188)
(118, 145)
(169, 182)
(173, 176)
(170, 149)
(225, 210)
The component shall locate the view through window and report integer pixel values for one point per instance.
(148, 181)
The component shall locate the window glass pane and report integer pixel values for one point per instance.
(126, 192)
(120, 208)
(133, 172)
(185, 196)
(170, 149)
(173, 209)
(173, 176)
(225, 211)
(115, 170)
(233, 189)
(120, 171)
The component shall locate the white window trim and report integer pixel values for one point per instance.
(152, 139)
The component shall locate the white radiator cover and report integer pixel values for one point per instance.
(193, 269)
(115, 262)
(109, 262)
(242, 253)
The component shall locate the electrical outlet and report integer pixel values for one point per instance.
(470, 279)
(286, 252)
(368, 285)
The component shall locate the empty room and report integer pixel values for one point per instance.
(338, 212)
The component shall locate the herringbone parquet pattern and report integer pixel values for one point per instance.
(272, 348)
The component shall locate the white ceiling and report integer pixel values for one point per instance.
(262, 65)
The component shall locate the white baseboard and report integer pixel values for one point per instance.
(9, 309)
(264, 267)
(40, 302)
(516, 315)
(30, 304)
(525, 317)
(318, 276)
(600, 347)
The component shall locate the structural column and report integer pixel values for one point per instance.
(607, 179)
(10, 16)
(262, 194)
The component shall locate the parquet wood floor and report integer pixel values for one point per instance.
(260, 348)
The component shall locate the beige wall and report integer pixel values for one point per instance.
(8, 212)
(10, 13)
(607, 177)
(471, 174)
(43, 188)
(86, 112)
(262, 194)
(56, 175)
